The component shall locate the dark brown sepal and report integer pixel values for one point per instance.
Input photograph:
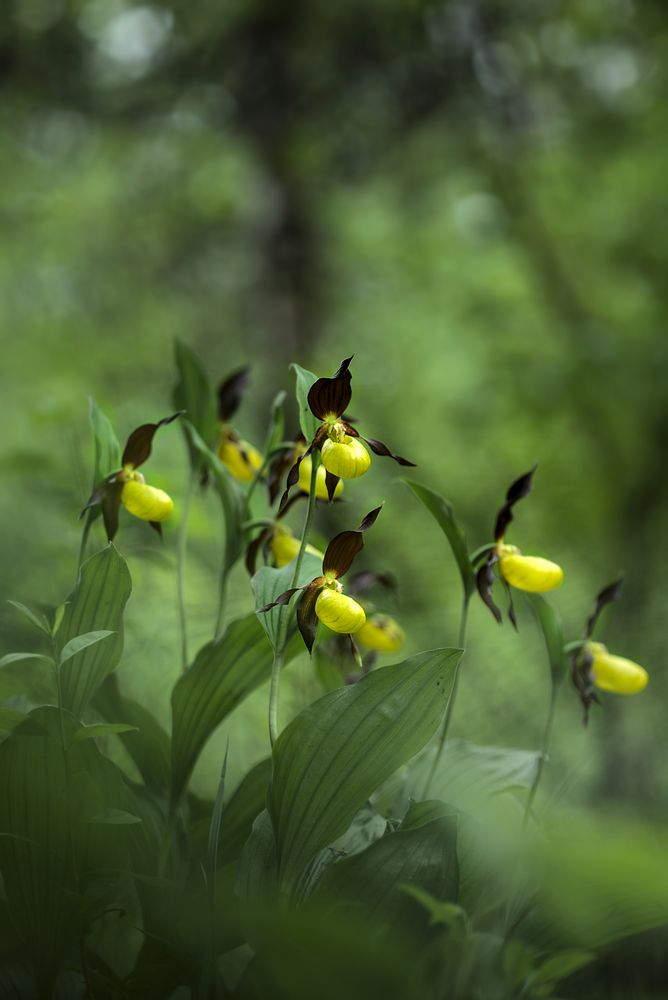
(366, 579)
(516, 491)
(230, 393)
(484, 582)
(111, 503)
(331, 482)
(283, 598)
(581, 675)
(98, 494)
(292, 480)
(138, 445)
(329, 396)
(378, 448)
(341, 552)
(370, 519)
(253, 549)
(610, 593)
(277, 469)
(307, 620)
(511, 607)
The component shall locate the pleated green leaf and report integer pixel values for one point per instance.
(341, 748)
(37, 619)
(107, 452)
(468, 774)
(81, 642)
(553, 633)
(102, 729)
(307, 421)
(146, 741)
(240, 812)
(225, 672)
(96, 604)
(269, 583)
(193, 394)
(443, 513)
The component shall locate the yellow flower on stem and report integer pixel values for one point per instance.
(381, 634)
(320, 481)
(284, 546)
(339, 442)
(533, 574)
(323, 598)
(240, 457)
(127, 486)
(592, 666)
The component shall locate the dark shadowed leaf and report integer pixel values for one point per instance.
(138, 445)
(339, 750)
(96, 604)
(244, 806)
(147, 743)
(442, 512)
(307, 421)
(468, 774)
(97, 729)
(329, 396)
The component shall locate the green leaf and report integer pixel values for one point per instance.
(447, 914)
(107, 448)
(371, 882)
(81, 642)
(97, 603)
(36, 618)
(231, 497)
(10, 718)
(553, 633)
(257, 873)
(561, 965)
(58, 618)
(114, 817)
(268, 583)
(15, 657)
(102, 729)
(193, 393)
(147, 743)
(442, 512)
(244, 806)
(225, 672)
(340, 749)
(468, 774)
(307, 421)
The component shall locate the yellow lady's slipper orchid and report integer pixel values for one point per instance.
(346, 457)
(615, 673)
(146, 502)
(320, 483)
(285, 546)
(339, 612)
(531, 573)
(240, 457)
(382, 634)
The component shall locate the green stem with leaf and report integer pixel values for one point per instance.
(281, 641)
(181, 553)
(545, 745)
(461, 640)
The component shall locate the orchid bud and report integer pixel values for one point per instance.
(531, 573)
(346, 458)
(339, 612)
(615, 673)
(320, 480)
(146, 502)
(240, 457)
(382, 634)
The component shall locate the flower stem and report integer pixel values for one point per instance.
(461, 639)
(545, 747)
(222, 599)
(181, 552)
(281, 640)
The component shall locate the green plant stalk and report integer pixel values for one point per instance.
(222, 599)
(181, 553)
(545, 745)
(279, 651)
(461, 639)
(84, 540)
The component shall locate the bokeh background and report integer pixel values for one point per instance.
(470, 197)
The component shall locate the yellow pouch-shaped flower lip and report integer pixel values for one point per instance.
(347, 458)
(531, 573)
(339, 612)
(285, 546)
(382, 634)
(146, 502)
(615, 673)
(320, 480)
(240, 457)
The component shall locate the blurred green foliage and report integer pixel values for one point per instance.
(470, 197)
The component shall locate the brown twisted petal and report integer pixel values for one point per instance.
(307, 620)
(610, 593)
(519, 489)
(138, 445)
(331, 396)
(484, 581)
(111, 503)
(293, 474)
(283, 598)
(378, 448)
(230, 393)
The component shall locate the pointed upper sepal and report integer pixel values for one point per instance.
(230, 393)
(610, 593)
(111, 502)
(343, 548)
(138, 445)
(331, 396)
(517, 491)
